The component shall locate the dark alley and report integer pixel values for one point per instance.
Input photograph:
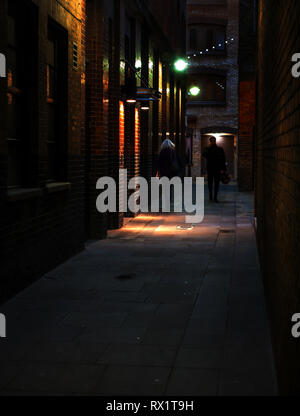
(149, 199)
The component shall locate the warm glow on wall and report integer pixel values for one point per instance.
(160, 77)
(9, 78)
(137, 132)
(77, 6)
(121, 129)
(180, 104)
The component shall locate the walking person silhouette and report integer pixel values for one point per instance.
(216, 166)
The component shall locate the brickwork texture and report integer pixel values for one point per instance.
(278, 179)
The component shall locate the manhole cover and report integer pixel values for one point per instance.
(184, 227)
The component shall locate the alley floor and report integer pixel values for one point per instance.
(155, 309)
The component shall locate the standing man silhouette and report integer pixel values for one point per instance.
(216, 166)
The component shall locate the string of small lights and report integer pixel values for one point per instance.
(220, 85)
(195, 90)
(213, 48)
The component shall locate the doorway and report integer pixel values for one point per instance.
(229, 143)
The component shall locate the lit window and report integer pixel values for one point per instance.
(211, 89)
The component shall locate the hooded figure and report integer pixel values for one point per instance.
(168, 162)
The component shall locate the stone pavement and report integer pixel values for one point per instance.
(152, 310)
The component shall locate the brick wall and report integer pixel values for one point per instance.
(42, 224)
(247, 109)
(3, 82)
(220, 117)
(278, 179)
(171, 18)
(247, 92)
(97, 94)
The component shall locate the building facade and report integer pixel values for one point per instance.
(213, 79)
(135, 47)
(247, 93)
(278, 179)
(42, 134)
(90, 89)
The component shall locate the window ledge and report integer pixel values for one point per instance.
(54, 187)
(21, 194)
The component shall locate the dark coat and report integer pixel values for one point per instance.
(216, 159)
(169, 164)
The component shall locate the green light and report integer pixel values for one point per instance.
(138, 64)
(194, 91)
(180, 65)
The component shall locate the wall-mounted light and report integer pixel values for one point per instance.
(138, 64)
(180, 65)
(129, 90)
(144, 108)
(194, 91)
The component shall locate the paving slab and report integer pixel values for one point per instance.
(193, 382)
(64, 378)
(151, 310)
(123, 380)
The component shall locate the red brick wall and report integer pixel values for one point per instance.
(122, 132)
(137, 144)
(278, 179)
(247, 109)
(97, 159)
